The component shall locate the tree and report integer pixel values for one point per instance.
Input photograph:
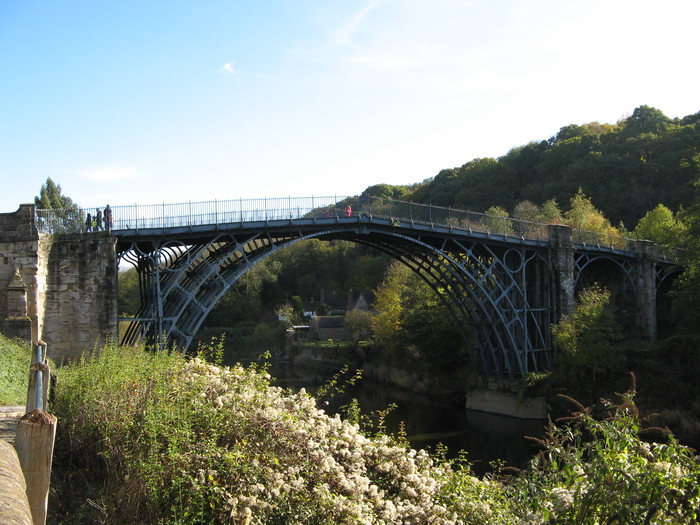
(586, 338)
(387, 323)
(65, 214)
(128, 294)
(551, 213)
(686, 305)
(526, 211)
(51, 198)
(660, 226)
(584, 217)
(358, 323)
(497, 221)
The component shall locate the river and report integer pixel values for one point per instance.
(485, 437)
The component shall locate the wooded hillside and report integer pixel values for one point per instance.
(625, 168)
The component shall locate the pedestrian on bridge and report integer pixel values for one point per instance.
(88, 223)
(108, 219)
(98, 219)
(348, 211)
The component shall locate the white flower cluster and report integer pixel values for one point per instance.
(295, 463)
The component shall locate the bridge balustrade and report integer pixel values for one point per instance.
(222, 212)
(164, 215)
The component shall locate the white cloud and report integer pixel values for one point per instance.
(228, 68)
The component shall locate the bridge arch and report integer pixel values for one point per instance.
(484, 286)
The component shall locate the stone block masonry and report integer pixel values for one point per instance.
(70, 283)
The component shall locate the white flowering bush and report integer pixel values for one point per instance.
(155, 438)
(183, 441)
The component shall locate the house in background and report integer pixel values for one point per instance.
(325, 327)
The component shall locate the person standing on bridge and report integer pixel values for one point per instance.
(98, 219)
(348, 211)
(88, 223)
(108, 219)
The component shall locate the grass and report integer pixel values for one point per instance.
(15, 359)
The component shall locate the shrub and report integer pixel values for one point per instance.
(600, 471)
(188, 442)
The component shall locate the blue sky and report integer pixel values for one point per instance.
(170, 101)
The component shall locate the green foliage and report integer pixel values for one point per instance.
(128, 296)
(302, 270)
(582, 215)
(647, 157)
(66, 215)
(551, 213)
(15, 359)
(412, 326)
(587, 339)
(386, 324)
(358, 323)
(601, 471)
(660, 226)
(153, 438)
(497, 221)
(686, 306)
(51, 198)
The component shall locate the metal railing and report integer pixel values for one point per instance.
(221, 212)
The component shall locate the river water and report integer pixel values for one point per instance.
(485, 437)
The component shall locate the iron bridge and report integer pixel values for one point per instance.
(500, 278)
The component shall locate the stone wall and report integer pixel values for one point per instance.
(19, 242)
(80, 296)
(70, 284)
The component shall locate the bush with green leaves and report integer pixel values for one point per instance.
(184, 441)
(587, 340)
(594, 471)
(156, 438)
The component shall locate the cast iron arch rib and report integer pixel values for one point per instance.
(180, 282)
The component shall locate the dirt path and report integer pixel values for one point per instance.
(9, 417)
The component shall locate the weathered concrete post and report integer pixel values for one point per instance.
(36, 433)
(646, 289)
(561, 256)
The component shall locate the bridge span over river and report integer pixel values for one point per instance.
(505, 281)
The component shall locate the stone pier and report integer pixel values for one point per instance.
(60, 290)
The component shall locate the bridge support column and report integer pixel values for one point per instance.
(646, 290)
(561, 256)
(79, 296)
